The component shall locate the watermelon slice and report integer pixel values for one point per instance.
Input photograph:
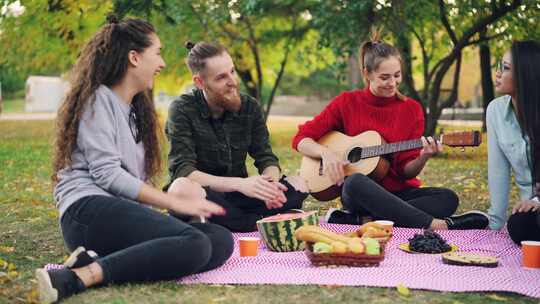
(277, 231)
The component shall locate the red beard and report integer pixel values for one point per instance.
(229, 101)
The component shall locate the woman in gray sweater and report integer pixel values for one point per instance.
(107, 155)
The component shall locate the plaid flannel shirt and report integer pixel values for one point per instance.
(216, 146)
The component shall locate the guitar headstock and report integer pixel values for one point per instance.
(462, 139)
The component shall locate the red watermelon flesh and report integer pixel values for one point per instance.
(285, 216)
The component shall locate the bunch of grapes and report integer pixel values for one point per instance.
(429, 242)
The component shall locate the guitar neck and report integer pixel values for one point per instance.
(383, 149)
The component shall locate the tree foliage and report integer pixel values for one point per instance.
(431, 36)
(261, 36)
(270, 39)
(47, 38)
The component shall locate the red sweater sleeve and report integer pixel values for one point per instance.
(330, 119)
(401, 159)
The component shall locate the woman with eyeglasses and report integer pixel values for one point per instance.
(107, 156)
(513, 125)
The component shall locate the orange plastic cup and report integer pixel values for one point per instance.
(249, 246)
(388, 225)
(531, 254)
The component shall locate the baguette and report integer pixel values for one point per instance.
(340, 243)
(316, 234)
(373, 232)
(350, 234)
(364, 228)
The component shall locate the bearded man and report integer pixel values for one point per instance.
(211, 130)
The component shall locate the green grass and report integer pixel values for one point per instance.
(30, 238)
(13, 106)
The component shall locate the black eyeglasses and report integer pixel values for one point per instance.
(501, 67)
(133, 126)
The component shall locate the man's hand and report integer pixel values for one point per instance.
(525, 206)
(260, 187)
(280, 199)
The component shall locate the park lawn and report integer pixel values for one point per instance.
(30, 237)
(13, 106)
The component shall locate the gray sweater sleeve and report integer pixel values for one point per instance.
(98, 143)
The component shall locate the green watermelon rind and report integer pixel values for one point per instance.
(279, 235)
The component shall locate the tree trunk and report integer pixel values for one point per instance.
(249, 84)
(430, 124)
(353, 67)
(1, 99)
(442, 67)
(487, 82)
(270, 100)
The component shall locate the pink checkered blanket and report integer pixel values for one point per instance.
(415, 271)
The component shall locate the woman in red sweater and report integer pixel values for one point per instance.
(382, 108)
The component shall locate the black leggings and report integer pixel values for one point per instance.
(136, 243)
(524, 226)
(243, 212)
(413, 207)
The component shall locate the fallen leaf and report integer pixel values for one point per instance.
(217, 300)
(223, 285)
(497, 298)
(6, 249)
(403, 290)
(4, 277)
(32, 296)
(13, 274)
(331, 286)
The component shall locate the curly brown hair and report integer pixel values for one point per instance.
(104, 60)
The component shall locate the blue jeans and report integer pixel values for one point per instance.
(136, 243)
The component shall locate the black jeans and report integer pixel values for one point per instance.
(414, 207)
(243, 212)
(524, 226)
(136, 243)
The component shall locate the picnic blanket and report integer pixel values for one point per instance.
(416, 271)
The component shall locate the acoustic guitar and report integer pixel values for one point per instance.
(367, 153)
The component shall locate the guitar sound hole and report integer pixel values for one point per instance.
(355, 155)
